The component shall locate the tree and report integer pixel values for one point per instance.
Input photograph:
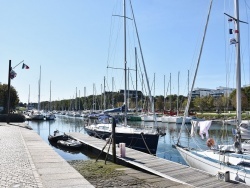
(159, 103)
(244, 100)
(14, 99)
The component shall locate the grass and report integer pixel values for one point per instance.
(221, 116)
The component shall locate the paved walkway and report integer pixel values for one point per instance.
(28, 161)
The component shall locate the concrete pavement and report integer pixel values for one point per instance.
(28, 161)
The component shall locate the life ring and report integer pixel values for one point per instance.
(210, 142)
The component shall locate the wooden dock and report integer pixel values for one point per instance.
(158, 166)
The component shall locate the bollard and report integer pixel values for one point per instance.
(122, 149)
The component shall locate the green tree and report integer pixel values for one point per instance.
(159, 103)
(244, 99)
(14, 99)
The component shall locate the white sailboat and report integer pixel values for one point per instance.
(139, 139)
(233, 165)
(49, 115)
(36, 114)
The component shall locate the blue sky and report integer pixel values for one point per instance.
(75, 41)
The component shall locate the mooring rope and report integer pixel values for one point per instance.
(146, 144)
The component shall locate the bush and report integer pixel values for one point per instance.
(13, 118)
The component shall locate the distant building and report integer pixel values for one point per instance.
(30, 106)
(218, 92)
(132, 93)
(222, 91)
(200, 92)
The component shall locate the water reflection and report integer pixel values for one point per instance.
(220, 133)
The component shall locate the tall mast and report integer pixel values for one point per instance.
(178, 95)
(170, 97)
(50, 96)
(196, 70)
(112, 92)
(79, 100)
(164, 95)
(144, 66)
(125, 63)
(238, 76)
(93, 97)
(238, 67)
(136, 93)
(29, 98)
(39, 87)
(101, 99)
(85, 98)
(76, 100)
(104, 95)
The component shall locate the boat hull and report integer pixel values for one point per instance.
(57, 138)
(213, 166)
(135, 141)
(37, 117)
(70, 144)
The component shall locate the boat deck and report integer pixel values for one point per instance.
(158, 166)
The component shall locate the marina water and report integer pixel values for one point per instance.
(219, 132)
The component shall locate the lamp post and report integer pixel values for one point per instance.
(11, 75)
(8, 103)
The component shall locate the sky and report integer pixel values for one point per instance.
(75, 41)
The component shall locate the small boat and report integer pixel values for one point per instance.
(50, 116)
(70, 143)
(57, 136)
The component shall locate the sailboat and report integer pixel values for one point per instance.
(229, 163)
(36, 114)
(139, 139)
(49, 115)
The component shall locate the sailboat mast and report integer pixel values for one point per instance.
(170, 97)
(196, 70)
(112, 92)
(136, 93)
(125, 63)
(164, 96)
(178, 95)
(29, 98)
(50, 96)
(39, 86)
(144, 66)
(104, 95)
(238, 67)
(79, 101)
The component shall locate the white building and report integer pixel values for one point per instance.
(219, 91)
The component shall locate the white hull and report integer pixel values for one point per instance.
(173, 119)
(213, 163)
(245, 129)
(37, 117)
(164, 119)
(50, 117)
(150, 118)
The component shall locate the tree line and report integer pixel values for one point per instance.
(116, 99)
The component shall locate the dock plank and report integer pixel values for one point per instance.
(158, 166)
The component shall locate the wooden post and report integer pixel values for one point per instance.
(113, 140)
(8, 103)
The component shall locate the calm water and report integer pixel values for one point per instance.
(220, 133)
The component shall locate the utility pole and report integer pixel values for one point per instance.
(8, 104)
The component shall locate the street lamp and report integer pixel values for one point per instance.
(11, 74)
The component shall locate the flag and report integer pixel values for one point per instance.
(25, 66)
